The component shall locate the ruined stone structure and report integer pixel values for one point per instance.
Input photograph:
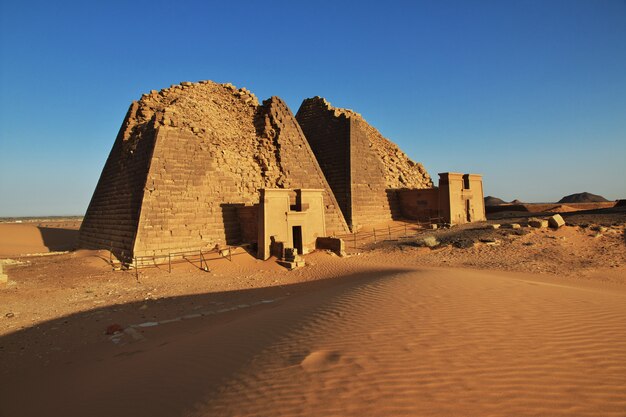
(457, 200)
(290, 225)
(363, 168)
(190, 161)
(187, 162)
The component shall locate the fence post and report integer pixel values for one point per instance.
(169, 262)
(201, 266)
(375, 235)
(389, 230)
(405, 234)
(230, 253)
(136, 270)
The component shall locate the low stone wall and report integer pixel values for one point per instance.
(334, 244)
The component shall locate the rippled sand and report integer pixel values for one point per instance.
(387, 342)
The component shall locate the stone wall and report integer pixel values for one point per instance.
(328, 134)
(362, 167)
(186, 159)
(372, 201)
(419, 204)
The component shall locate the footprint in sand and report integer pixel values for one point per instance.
(319, 360)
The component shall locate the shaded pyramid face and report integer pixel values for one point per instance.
(185, 170)
(363, 168)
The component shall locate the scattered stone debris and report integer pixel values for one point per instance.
(488, 240)
(463, 243)
(291, 259)
(493, 226)
(537, 223)
(429, 241)
(556, 221)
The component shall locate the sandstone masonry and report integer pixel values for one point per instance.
(185, 162)
(363, 168)
(189, 162)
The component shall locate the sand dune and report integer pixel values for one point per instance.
(385, 342)
(18, 239)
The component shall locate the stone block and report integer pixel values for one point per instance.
(556, 221)
(334, 244)
(4, 278)
(537, 223)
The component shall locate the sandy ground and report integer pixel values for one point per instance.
(19, 239)
(528, 324)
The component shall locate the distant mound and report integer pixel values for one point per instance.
(583, 198)
(516, 201)
(493, 201)
(561, 209)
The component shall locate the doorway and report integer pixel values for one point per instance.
(297, 238)
(468, 211)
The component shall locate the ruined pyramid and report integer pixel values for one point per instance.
(186, 167)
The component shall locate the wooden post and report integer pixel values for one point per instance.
(375, 235)
(169, 262)
(136, 270)
(201, 266)
(405, 235)
(389, 230)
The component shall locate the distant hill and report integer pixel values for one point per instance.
(493, 201)
(516, 201)
(583, 198)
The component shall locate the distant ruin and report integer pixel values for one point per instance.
(189, 163)
(457, 200)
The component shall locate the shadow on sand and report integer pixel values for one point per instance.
(181, 364)
(58, 239)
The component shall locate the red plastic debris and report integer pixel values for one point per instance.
(114, 328)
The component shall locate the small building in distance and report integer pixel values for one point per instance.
(457, 200)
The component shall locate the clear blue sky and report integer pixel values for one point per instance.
(532, 94)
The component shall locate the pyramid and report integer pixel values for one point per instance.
(363, 168)
(186, 166)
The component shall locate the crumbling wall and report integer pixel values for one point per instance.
(198, 152)
(362, 167)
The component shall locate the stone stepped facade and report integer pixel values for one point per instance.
(186, 161)
(363, 168)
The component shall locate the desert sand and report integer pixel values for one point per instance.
(381, 333)
(18, 239)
